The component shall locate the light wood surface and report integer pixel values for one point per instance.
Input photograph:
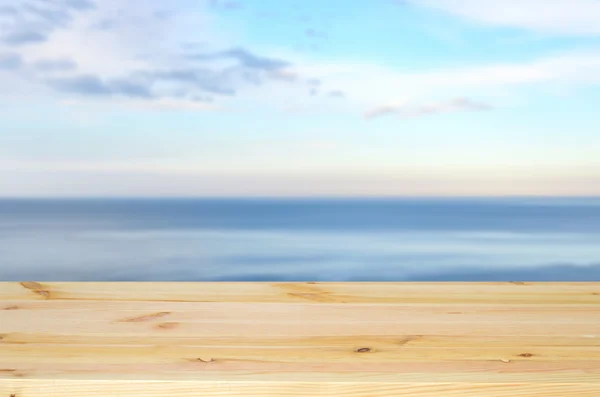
(299, 339)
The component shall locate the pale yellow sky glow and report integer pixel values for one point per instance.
(188, 184)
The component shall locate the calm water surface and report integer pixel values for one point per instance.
(292, 240)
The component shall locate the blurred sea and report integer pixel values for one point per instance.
(500, 239)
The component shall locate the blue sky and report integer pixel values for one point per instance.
(299, 98)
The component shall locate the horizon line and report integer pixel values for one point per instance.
(297, 197)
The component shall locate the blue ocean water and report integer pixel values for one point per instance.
(502, 239)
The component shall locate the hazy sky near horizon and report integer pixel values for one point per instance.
(313, 97)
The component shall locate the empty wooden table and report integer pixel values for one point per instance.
(299, 339)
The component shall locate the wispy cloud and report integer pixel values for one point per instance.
(284, 75)
(55, 65)
(78, 4)
(225, 4)
(30, 22)
(105, 24)
(563, 17)
(172, 104)
(244, 57)
(83, 84)
(316, 34)
(94, 86)
(108, 62)
(186, 81)
(10, 61)
(8, 10)
(385, 90)
(105, 64)
(18, 38)
(407, 111)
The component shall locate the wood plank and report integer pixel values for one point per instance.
(50, 388)
(299, 339)
(535, 293)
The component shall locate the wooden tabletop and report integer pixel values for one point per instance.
(299, 339)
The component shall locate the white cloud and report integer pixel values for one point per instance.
(134, 31)
(137, 49)
(157, 104)
(562, 17)
(407, 111)
(135, 39)
(370, 85)
(170, 104)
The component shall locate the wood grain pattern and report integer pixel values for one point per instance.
(299, 339)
